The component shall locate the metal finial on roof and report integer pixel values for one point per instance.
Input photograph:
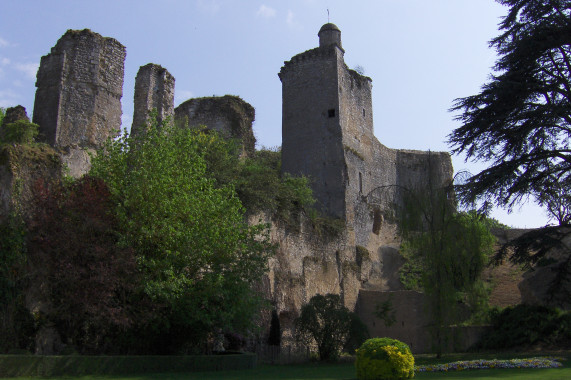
(327, 15)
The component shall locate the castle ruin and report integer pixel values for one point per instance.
(78, 97)
(154, 90)
(327, 135)
(229, 115)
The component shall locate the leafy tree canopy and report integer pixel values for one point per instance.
(198, 255)
(521, 119)
(73, 238)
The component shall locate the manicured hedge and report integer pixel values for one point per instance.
(75, 365)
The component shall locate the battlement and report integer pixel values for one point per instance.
(318, 53)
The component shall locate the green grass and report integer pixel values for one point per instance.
(346, 371)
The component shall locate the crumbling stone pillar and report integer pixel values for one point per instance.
(14, 114)
(78, 97)
(229, 115)
(154, 89)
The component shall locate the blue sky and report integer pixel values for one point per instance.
(420, 54)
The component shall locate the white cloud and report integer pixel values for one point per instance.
(30, 69)
(4, 61)
(3, 42)
(210, 6)
(266, 12)
(291, 20)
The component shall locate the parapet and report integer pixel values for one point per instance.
(307, 56)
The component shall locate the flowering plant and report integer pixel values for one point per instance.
(542, 362)
(384, 358)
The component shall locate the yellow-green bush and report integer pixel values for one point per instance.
(384, 358)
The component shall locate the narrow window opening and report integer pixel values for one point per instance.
(377, 221)
(331, 113)
(360, 183)
(363, 112)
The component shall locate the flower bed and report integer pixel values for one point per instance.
(543, 362)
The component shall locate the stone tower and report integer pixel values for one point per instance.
(154, 89)
(327, 113)
(229, 115)
(78, 97)
(327, 135)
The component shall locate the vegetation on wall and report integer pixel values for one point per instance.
(19, 132)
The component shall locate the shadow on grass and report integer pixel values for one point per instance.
(346, 371)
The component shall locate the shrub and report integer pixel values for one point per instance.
(19, 132)
(384, 358)
(330, 325)
(524, 325)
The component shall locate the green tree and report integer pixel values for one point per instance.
(450, 248)
(261, 187)
(521, 119)
(521, 123)
(326, 322)
(198, 257)
(13, 314)
(73, 236)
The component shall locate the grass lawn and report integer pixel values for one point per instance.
(346, 371)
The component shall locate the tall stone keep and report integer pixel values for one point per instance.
(78, 97)
(327, 135)
(154, 90)
(322, 101)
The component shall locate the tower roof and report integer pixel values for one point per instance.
(329, 34)
(328, 26)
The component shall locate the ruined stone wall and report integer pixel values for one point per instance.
(307, 263)
(154, 90)
(417, 169)
(21, 166)
(412, 321)
(78, 97)
(311, 131)
(229, 115)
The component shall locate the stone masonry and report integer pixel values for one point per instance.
(154, 90)
(78, 97)
(229, 115)
(327, 135)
